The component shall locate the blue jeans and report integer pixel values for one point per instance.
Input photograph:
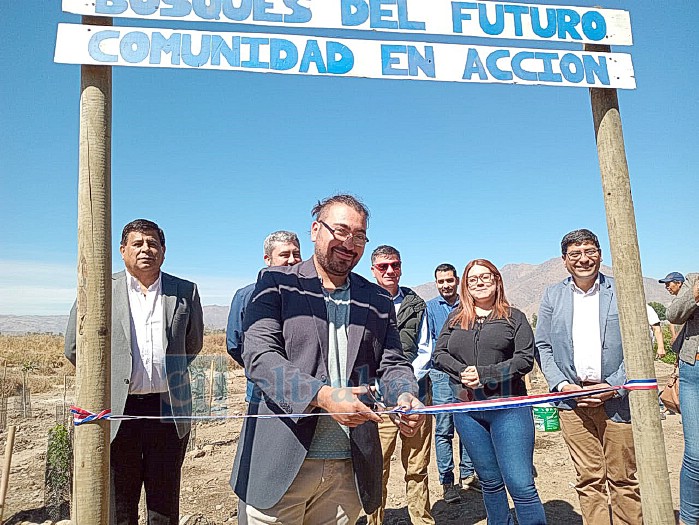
(444, 433)
(689, 475)
(501, 445)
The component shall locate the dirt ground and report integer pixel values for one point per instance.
(207, 498)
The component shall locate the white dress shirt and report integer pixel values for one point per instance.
(587, 340)
(148, 374)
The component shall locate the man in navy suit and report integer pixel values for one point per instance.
(315, 335)
(578, 343)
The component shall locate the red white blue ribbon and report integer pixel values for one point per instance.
(81, 416)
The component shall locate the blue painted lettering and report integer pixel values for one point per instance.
(547, 75)
(354, 12)
(144, 7)
(283, 54)
(539, 30)
(388, 61)
(220, 47)
(260, 12)
(134, 47)
(403, 22)
(492, 64)
(159, 45)
(313, 54)
(517, 11)
(207, 9)
(95, 49)
(254, 44)
(111, 7)
(567, 20)
(474, 65)
(199, 59)
(517, 68)
(299, 14)
(494, 28)
(596, 67)
(379, 16)
(425, 62)
(458, 15)
(572, 68)
(339, 57)
(239, 13)
(177, 8)
(594, 25)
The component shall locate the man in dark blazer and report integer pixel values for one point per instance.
(157, 331)
(315, 335)
(578, 345)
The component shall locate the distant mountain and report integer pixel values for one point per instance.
(215, 318)
(524, 286)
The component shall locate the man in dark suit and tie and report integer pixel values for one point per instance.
(157, 331)
(316, 334)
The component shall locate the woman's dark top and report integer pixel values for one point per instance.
(501, 349)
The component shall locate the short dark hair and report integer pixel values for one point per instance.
(578, 237)
(445, 267)
(384, 251)
(320, 209)
(141, 226)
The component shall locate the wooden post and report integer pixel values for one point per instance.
(9, 445)
(638, 355)
(212, 376)
(93, 360)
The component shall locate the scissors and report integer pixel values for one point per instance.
(380, 406)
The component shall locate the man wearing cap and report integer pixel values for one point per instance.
(673, 282)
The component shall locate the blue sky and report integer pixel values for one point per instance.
(450, 172)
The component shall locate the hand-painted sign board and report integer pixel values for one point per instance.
(310, 55)
(485, 19)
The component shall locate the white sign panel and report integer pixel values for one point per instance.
(309, 55)
(437, 17)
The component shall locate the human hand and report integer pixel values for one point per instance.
(408, 424)
(344, 405)
(594, 400)
(469, 377)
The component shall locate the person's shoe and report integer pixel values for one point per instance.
(471, 483)
(451, 493)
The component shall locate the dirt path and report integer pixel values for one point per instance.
(207, 498)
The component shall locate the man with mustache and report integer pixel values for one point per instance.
(578, 343)
(315, 335)
(157, 331)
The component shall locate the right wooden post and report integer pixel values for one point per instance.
(656, 496)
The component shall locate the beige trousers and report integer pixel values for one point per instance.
(323, 493)
(415, 456)
(604, 458)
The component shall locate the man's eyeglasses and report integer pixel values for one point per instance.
(341, 234)
(485, 278)
(592, 253)
(382, 267)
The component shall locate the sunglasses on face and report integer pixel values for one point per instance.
(382, 267)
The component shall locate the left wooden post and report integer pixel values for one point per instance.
(94, 309)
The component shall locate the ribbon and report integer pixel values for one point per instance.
(81, 416)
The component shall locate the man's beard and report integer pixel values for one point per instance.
(333, 266)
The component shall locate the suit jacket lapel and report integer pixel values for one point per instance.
(359, 310)
(568, 308)
(120, 298)
(310, 283)
(168, 287)
(605, 302)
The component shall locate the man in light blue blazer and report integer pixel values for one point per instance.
(578, 344)
(157, 331)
